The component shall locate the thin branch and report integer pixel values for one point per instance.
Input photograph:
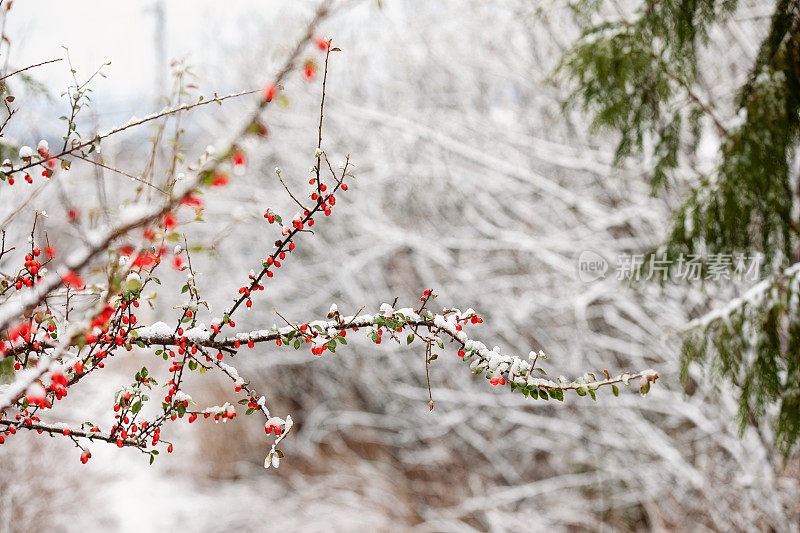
(30, 67)
(122, 172)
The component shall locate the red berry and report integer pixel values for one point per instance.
(269, 92)
(322, 43)
(309, 70)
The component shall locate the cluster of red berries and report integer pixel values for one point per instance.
(247, 291)
(37, 395)
(269, 428)
(460, 321)
(309, 335)
(58, 383)
(48, 164)
(324, 202)
(24, 419)
(309, 66)
(227, 414)
(124, 428)
(309, 71)
(226, 320)
(25, 331)
(30, 273)
(498, 380)
(237, 343)
(179, 409)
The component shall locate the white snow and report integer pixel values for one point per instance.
(158, 329)
(181, 396)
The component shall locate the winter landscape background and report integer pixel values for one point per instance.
(471, 179)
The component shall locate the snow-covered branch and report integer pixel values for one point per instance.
(501, 368)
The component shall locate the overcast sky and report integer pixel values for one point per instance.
(126, 33)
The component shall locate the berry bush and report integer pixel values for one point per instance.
(67, 308)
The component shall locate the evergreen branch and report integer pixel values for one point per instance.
(753, 295)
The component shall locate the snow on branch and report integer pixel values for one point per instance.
(754, 296)
(500, 368)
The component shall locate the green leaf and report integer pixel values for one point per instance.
(543, 394)
(410, 338)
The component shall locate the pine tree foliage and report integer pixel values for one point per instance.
(638, 77)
